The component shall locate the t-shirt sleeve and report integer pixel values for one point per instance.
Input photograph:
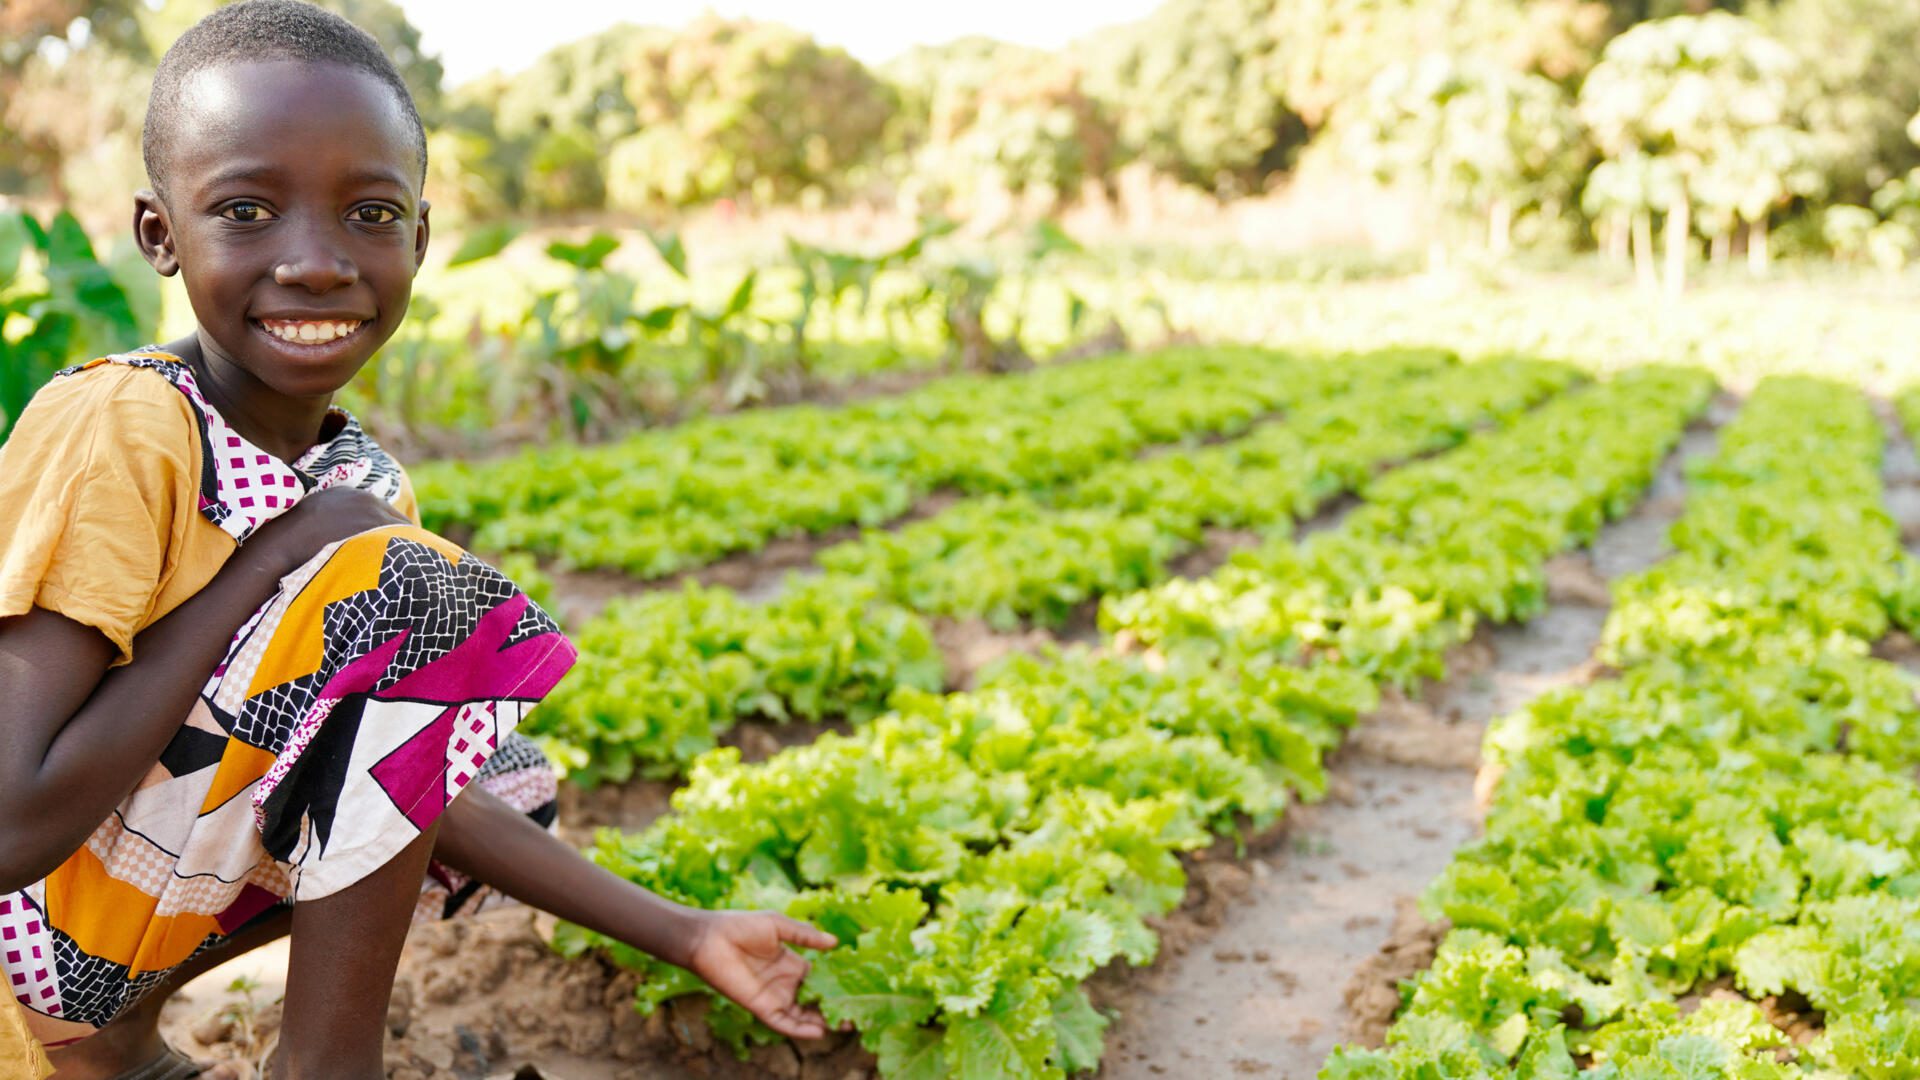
(96, 488)
(407, 502)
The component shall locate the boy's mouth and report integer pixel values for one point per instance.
(310, 331)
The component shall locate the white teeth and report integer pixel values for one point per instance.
(310, 333)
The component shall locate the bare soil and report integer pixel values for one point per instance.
(969, 645)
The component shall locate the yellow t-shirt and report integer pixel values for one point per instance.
(99, 504)
(20, 1053)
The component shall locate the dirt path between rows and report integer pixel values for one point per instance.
(1311, 957)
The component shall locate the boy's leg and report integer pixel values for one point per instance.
(340, 975)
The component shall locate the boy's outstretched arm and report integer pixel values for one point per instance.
(76, 737)
(743, 955)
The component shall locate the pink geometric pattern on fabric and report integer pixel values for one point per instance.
(476, 736)
(26, 946)
(525, 789)
(412, 775)
(483, 666)
(253, 485)
(356, 678)
(283, 763)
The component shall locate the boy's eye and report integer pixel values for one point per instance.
(375, 215)
(246, 211)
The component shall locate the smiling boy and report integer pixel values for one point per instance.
(242, 693)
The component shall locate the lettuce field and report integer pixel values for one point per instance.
(1354, 709)
(1037, 689)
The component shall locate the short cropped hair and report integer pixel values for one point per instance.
(263, 30)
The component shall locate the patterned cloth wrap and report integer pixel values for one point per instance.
(386, 675)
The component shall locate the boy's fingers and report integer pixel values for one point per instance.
(796, 932)
(797, 1023)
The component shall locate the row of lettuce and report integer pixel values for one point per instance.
(1726, 836)
(663, 676)
(676, 498)
(981, 854)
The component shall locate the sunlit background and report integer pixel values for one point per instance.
(1615, 180)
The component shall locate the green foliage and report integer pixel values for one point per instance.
(578, 87)
(563, 172)
(664, 501)
(482, 243)
(1006, 122)
(1199, 90)
(1225, 92)
(1863, 86)
(1478, 137)
(468, 178)
(1738, 803)
(727, 108)
(980, 855)
(661, 677)
(1706, 109)
(62, 308)
(1009, 560)
(1439, 546)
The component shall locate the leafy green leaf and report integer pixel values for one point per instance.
(588, 256)
(671, 251)
(486, 241)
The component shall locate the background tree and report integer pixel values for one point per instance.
(729, 108)
(37, 39)
(1860, 84)
(1480, 138)
(1197, 89)
(981, 119)
(579, 86)
(939, 87)
(563, 172)
(1224, 93)
(1700, 97)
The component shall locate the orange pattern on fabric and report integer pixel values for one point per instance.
(454, 552)
(299, 642)
(115, 921)
(353, 569)
(240, 766)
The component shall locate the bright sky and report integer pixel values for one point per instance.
(470, 44)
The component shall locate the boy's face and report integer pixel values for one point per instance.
(293, 213)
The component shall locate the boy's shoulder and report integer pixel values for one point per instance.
(103, 397)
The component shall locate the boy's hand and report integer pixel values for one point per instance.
(744, 955)
(319, 519)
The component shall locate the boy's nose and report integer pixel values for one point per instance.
(316, 271)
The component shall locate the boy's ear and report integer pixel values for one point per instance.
(154, 233)
(421, 232)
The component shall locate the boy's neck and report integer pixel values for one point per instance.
(282, 426)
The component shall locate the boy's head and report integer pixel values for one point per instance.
(287, 159)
